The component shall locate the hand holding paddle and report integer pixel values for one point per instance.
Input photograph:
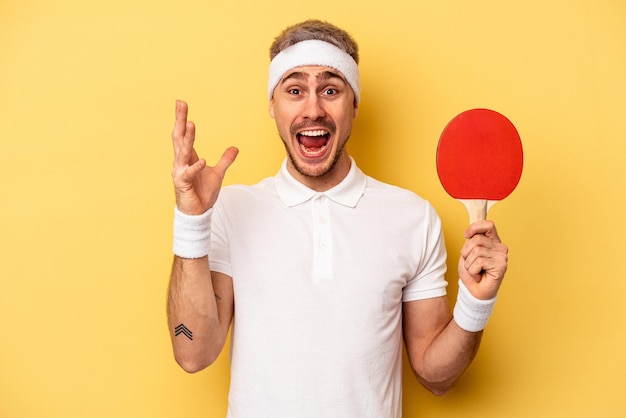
(479, 159)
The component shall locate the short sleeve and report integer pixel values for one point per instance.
(429, 280)
(219, 256)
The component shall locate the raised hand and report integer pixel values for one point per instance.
(483, 260)
(196, 184)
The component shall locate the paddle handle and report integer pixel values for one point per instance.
(477, 209)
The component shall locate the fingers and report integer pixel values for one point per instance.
(490, 261)
(482, 242)
(483, 256)
(196, 184)
(183, 137)
(192, 171)
(180, 124)
(481, 247)
(226, 160)
(486, 228)
(482, 272)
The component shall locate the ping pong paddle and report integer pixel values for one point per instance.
(479, 159)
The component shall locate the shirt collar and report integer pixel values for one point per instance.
(347, 193)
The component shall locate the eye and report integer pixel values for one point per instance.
(294, 91)
(330, 91)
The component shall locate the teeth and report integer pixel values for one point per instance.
(312, 152)
(319, 132)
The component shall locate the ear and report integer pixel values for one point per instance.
(272, 107)
(356, 109)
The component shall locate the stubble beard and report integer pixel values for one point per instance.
(318, 172)
(324, 170)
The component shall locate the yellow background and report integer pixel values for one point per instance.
(87, 92)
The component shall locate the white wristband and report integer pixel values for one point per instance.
(470, 313)
(192, 234)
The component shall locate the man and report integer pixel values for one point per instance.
(321, 269)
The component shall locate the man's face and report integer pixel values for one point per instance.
(314, 108)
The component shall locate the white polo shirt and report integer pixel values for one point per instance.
(319, 280)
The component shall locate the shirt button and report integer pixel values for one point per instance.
(323, 246)
(323, 219)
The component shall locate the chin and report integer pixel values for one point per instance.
(315, 169)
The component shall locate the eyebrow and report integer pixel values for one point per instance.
(327, 75)
(322, 76)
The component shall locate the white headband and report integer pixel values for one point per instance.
(314, 52)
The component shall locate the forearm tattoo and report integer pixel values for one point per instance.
(182, 329)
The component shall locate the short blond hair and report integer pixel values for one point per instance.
(315, 29)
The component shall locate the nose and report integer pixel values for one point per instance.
(313, 107)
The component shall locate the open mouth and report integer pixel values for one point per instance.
(313, 143)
